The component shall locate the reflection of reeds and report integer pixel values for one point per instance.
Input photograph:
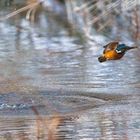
(46, 126)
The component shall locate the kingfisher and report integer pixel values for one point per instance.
(114, 51)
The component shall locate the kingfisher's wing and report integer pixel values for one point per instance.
(110, 46)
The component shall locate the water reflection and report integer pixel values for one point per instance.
(112, 121)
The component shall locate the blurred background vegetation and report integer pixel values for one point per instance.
(115, 19)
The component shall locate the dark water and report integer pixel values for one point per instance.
(53, 87)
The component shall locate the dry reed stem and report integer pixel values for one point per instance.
(137, 34)
(28, 7)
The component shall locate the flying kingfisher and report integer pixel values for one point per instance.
(114, 51)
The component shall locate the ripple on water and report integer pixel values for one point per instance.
(112, 120)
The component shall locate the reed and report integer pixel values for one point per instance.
(105, 17)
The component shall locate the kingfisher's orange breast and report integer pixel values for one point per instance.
(112, 55)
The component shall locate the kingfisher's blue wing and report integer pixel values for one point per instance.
(121, 47)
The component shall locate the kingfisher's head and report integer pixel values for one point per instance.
(101, 59)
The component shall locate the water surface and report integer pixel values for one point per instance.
(50, 79)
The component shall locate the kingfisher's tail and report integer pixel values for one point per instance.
(129, 48)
